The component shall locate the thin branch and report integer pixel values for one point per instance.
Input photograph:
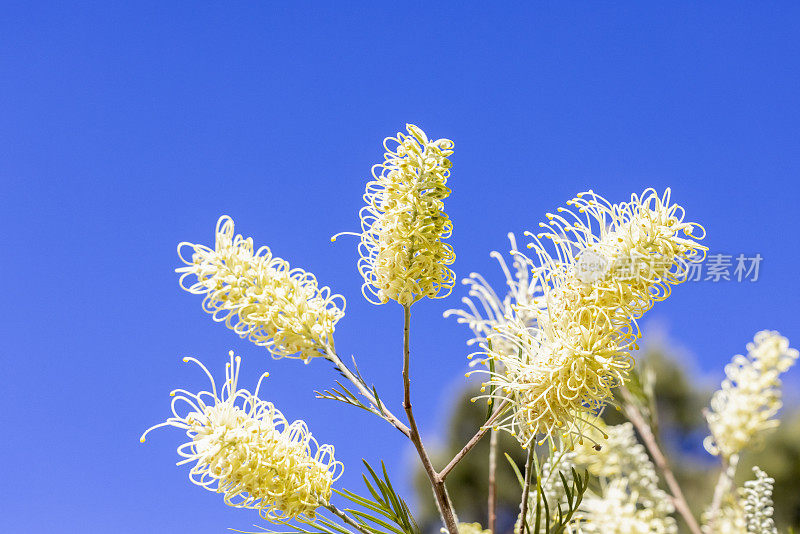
(385, 413)
(347, 519)
(635, 417)
(474, 440)
(492, 501)
(437, 482)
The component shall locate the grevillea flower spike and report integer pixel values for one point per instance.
(244, 448)
(403, 224)
(259, 296)
(608, 264)
(750, 395)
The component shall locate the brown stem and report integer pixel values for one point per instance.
(492, 504)
(635, 417)
(437, 481)
(474, 440)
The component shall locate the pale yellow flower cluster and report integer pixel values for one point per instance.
(244, 448)
(750, 395)
(403, 224)
(609, 264)
(620, 455)
(632, 482)
(619, 511)
(627, 499)
(259, 296)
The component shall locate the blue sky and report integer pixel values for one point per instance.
(126, 129)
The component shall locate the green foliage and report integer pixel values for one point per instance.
(386, 503)
(347, 396)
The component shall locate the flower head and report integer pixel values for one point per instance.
(245, 448)
(750, 395)
(607, 265)
(259, 296)
(403, 224)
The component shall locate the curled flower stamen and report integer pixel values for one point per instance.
(244, 448)
(486, 311)
(403, 223)
(259, 296)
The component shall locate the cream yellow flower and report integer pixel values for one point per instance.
(618, 511)
(244, 448)
(607, 266)
(750, 395)
(403, 224)
(619, 454)
(627, 498)
(259, 296)
(621, 458)
(618, 258)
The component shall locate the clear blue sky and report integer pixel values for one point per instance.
(126, 129)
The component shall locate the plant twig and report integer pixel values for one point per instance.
(635, 417)
(347, 519)
(492, 504)
(358, 383)
(437, 481)
(474, 440)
